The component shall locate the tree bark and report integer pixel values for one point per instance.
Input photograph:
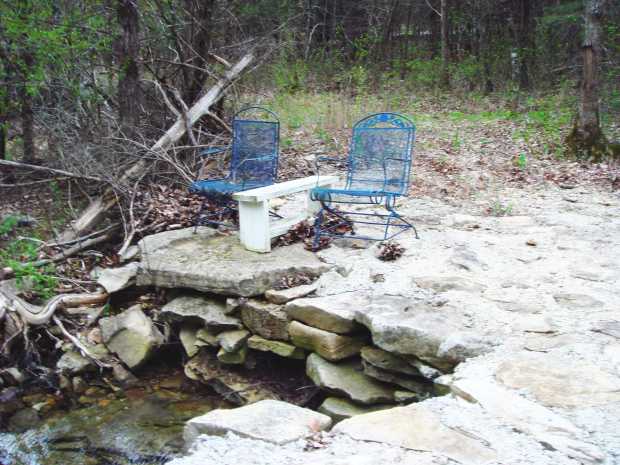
(98, 208)
(3, 137)
(445, 72)
(27, 115)
(200, 38)
(586, 140)
(129, 93)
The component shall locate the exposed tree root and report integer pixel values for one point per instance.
(36, 315)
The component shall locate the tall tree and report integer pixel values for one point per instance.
(129, 93)
(445, 72)
(586, 138)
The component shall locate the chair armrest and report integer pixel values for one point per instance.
(212, 151)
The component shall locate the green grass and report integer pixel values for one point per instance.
(540, 121)
(17, 253)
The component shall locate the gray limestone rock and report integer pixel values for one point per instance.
(116, 279)
(131, 335)
(328, 345)
(417, 427)
(268, 420)
(347, 378)
(283, 349)
(232, 341)
(340, 409)
(286, 295)
(335, 313)
(200, 309)
(265, 319)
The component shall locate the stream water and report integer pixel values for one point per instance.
(145, 427)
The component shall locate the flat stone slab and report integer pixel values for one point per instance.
(233, 358)
(433, 334)
(202, 309)
(283, 296)
(335, 313)
(388, 361)
(280, 348)
(268, 420)
(559, 382)
(187, 336)
(232, 341)
(265, 319)
(550, 429)
(347, 378)
(340, 409)
(116, 279)
(416, 427)
(211, 262)
(424, 389)
(328, 345)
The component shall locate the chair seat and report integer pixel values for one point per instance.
(327, 194)
(222, 186)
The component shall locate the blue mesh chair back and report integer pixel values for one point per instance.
(380, 154)
(378, 171)
(254, 161)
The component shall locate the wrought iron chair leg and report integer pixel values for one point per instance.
(387, 226)
(317, 229)
(339, 215)
(397, 215)
(199, 214)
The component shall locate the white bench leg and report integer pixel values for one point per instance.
(254, 226)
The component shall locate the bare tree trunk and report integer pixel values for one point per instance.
(445, 72)
(27, 113)
(3, 136)
(586, 139)
(200, 39)
(129, 94)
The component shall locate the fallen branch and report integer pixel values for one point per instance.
(81, 347)
(98, 208)
(37, 315)
(75, 249)
(32, 183)
(28, 166)
(220, 121)
(83, 238)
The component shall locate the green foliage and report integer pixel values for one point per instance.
(39, 280)
(45, 43)
(290, 76)
(8, 224)
(466, 73)
(498, 208)
(424, 72)
(456, 142)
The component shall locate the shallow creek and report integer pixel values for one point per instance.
(145, 427)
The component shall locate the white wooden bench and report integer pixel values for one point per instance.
(255, 229)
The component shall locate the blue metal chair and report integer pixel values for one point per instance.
(253, 162)
(378, 168)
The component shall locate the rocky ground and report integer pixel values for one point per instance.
(518, 308)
